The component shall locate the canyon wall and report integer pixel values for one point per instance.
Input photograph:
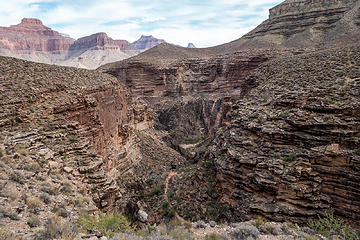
(291, 150)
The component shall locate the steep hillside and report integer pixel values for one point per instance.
(291, 150)
(71, 141)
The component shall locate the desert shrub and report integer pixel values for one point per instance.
(62, 212)
(7, 234)
(284, 114)
(179, 233)
(73, 138)
(10, 191)
(55, 228)
(258, 222)
(34, 202)
(42, 162)
(157, 190)
(8, 213)
(45, 198)
(330, 225)
(17, 176)
(48, 188)
(67, 188)
(289, 158)
(21, 149)
(1, 153)
(33, 167)
(214, 236)
(107, 225)
(33, 221)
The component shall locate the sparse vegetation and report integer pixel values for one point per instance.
(214, 236)
(17, 176)
(55, 228)
(33, 221)
(73, 138)
(330, 225)
(327, 118)
(259, 221)
(157, 190)
(284, 114)
(67, 188)
(107, 225)
(193, 140)
(34, 202)
(45, 198)
(289, 158)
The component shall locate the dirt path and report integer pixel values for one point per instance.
(170, 175)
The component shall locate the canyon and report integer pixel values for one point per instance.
(31, 40)
(264, 126)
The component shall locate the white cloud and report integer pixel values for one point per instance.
(203, 22)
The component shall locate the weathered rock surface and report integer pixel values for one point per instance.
(309, 24)
(76, 128)
(187, 76)
(291, 150)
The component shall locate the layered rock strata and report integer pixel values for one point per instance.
(291, 150)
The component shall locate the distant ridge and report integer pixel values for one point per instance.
(31, 40)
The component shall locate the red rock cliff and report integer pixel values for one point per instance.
(31, 34)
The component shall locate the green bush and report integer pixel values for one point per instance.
(289, 158)
(107, 225)
(330, 225)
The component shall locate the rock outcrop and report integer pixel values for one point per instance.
(97, 41)
(31, 34)
(309, 24)
(146, 42)
(291, 150)
(187, 76)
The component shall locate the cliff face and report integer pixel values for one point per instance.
(291, 150)
(97, 41)
(189, 76)
(309, 24)
(31, 34)
(66, 126)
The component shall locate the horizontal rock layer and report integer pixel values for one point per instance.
(188, 76)
(292, 148)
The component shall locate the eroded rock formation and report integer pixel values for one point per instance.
(31, 34)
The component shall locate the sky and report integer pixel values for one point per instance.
(202, 22)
